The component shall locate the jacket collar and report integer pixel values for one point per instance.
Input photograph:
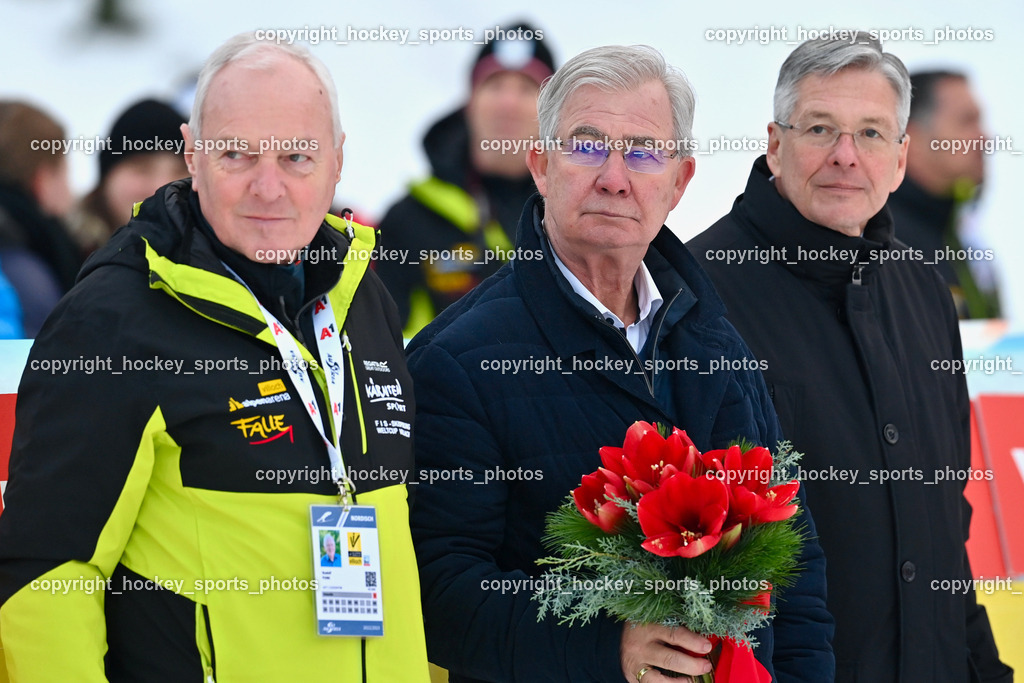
(685, 287)
(280, 288)
(776, 222)
(165, 241)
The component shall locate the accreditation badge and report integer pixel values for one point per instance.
(346, 564)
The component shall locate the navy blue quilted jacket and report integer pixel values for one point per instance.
(504, 448)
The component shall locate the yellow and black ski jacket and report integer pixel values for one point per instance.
(157, 516)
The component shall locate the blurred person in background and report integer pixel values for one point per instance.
(10, 309)
(145, 154)
(37, 256)
(932, 205)
(470, 205)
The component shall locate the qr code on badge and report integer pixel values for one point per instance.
(371, 579)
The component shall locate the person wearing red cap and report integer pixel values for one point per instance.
(457, 227)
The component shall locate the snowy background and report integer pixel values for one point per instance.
(53, 55)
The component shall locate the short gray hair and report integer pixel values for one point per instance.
(246, 50)
(617, 68)
(825, 57)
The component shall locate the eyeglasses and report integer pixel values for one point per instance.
(824, 136)
(593, 153)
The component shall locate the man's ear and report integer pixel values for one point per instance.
(190, 149)
(901, 163)
(537, 162)
(774, 142)
(340, 158)
(684, 174)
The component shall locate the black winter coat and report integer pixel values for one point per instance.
(852, 331)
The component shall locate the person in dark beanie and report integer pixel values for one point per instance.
(145, 153)
(467, 210)
(37, 256)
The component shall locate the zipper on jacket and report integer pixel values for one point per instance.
(295, 323)
(305, 307)
(622, 334)
(654, 332)
(657, 331)
(362, 652)
(857, 270)
(204, 641)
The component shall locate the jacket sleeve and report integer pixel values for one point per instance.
(803, 627)
(480, 619)
(82, 453)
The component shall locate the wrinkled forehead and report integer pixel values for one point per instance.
(853, 96)
(250, 94)
(640, 113)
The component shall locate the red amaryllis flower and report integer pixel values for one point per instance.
(647, 458)
(592, 499)
(684, 516)
(679, 442)
(748, 476)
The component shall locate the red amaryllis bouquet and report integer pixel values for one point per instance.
(664, 534)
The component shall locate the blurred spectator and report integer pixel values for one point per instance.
(464, 216)
(145, 154)
(37, 256)
(930, 205)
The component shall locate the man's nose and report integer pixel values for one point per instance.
(614, 176)
(844, 152)
(267, 182)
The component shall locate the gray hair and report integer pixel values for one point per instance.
(244, 49)
(617, 68)
(825, 57)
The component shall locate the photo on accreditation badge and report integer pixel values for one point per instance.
(329, 550)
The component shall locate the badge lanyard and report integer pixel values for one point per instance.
(329, 345)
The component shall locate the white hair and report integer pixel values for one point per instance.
(244, 49)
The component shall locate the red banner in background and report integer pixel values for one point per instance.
(983, 547)
(13, 356)
(6, 432)
(1000, 431)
